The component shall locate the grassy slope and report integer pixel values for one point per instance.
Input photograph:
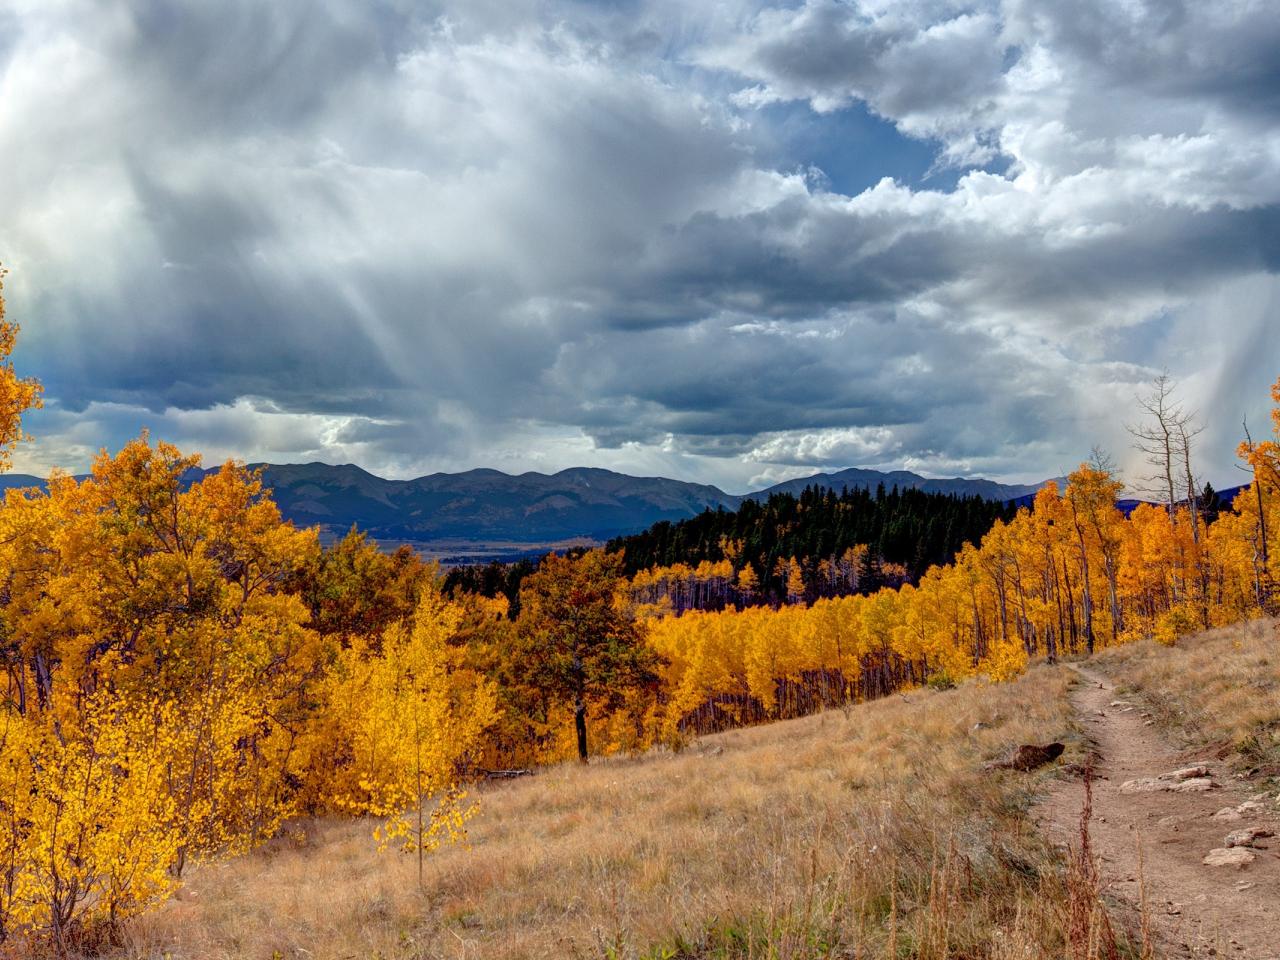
(855, 833)
(1220, 687)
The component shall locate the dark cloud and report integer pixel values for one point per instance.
(1223, 53)
(438, 235)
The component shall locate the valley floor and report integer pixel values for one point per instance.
(868, 832)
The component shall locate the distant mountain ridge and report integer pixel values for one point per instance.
(485, 504)
(495, 507)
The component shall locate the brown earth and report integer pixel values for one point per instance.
(1193, 909)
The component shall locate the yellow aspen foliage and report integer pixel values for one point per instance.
(17, 394)
(795, 582)
(92, 837)
(1005, 660)
(159, 673)
(405, 720)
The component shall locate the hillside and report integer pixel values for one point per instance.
(829, 836)
(484, 505)
(872, 831)
(513, 515)
(287, 682)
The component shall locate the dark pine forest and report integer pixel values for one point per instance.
(902, 527)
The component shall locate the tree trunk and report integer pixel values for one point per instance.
(580, 723)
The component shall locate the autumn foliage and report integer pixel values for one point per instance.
(17, 394)
(168, 698)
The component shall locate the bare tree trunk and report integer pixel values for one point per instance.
(1264, 580)
(580, 723)
(417, 772)
(1086, 593)
(1193, 502)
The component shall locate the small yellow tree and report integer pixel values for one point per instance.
(407, 717)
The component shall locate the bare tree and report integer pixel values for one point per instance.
(1165, 439)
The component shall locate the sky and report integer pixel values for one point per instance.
(725, 241)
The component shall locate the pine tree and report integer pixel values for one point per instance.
(575, 641)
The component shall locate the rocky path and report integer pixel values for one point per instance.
(1180, 809)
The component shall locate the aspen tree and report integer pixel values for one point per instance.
(17, 394)
(406, 718)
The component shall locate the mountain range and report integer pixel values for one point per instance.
(514, 514)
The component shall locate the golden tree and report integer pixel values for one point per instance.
(1263, 459)
(157, 673)
(17, 394)
(405, 718)
(89, 833)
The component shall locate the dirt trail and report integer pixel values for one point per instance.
(1195, 910)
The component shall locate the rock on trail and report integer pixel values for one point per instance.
(1224, 857)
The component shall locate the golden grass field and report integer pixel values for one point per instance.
(867, 832)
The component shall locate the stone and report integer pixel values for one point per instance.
(1194, 785)
(1247, 836)
(1236, 857)
(1227, 814)
(1193, 782)
(1249, 806)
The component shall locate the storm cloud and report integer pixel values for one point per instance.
(530, 235)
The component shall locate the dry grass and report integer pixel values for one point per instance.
(1220, 687)
(868, 832)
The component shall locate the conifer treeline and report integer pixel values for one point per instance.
(909, 530)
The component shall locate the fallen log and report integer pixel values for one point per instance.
(505, 774)
(1028, 757)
